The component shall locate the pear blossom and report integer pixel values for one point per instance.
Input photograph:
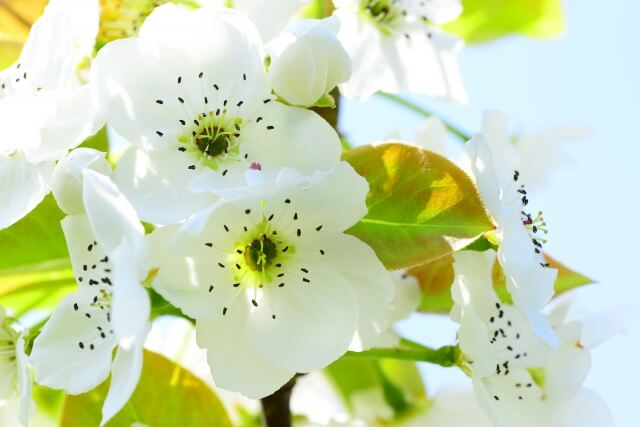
(109, 310)
(191, 93)
(44, 108)
(494, 163)
(518, 378)
(264, 272)
(308, 61)
(394, 47)
(15, 373)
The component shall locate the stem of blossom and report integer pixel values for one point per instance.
(446, 356)
(276, 411)
(463, 136)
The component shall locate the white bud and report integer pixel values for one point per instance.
(308, 61)
(67, 177)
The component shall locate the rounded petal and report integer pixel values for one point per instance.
(193, 281)
(235, 365)
(23, 187)
(157, 185)
(110, 214)
(299, 139)
(269, 17)
(586, 410)
(67, 182)
(25, 381)
(125, 374)
(324, 308)
(359, 266)
(70, 353)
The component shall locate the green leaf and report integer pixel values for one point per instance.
(486, 20)
(364, 383)
(435, 279)
(99, 141)
(421, 206)
(34, 239)
(167, 396)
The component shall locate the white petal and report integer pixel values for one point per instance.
(67, 182)
(452, 408)
(300, 139)
(269, 17)
(565, 372)
(112, 217)
(433, 136)
(89, 260)
(58, 41)
(25, 381)
(586, 410)
(185, 278)
(23, 187)
(235, 365)
(506, 159)
(157, 185)
(325, 309)
(70, 353)
(362, 270)
(125, 374)
(130, 302)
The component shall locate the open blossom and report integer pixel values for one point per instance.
(44, 108)
(192, 95)
(308, 61)
(15, 374)
(393, 47)
(518, 378)
(268, 270)
(494, 163)
(110, 308)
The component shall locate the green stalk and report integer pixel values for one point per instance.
(446, 356)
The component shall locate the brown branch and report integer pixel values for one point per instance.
(276, 411)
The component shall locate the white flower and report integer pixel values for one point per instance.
(494, 162)
(518, 379)
(191, 93)
(393, 48)
(110, 309)
(44, 110)
(308, 61)
(450, 408)
(15, 374)
(273, 283)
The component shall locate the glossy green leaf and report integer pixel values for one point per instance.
(34, 239)
(167, 396)
(421, 206)
(486, 20)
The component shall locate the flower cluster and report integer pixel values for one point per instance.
(224, 196)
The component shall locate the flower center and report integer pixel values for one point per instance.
(260, 253)
(212, 145)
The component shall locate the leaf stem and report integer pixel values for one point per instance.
(446, 356)
(462, 135)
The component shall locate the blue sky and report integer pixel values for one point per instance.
(587, 78)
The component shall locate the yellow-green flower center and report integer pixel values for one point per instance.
(260, 253)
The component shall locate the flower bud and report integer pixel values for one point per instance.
(67, 177)
(308, 61)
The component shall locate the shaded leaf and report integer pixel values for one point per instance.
(34, 239)
(421, 206)
(486, 20)
(366, 384)
(435, 279)
(167, 396)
